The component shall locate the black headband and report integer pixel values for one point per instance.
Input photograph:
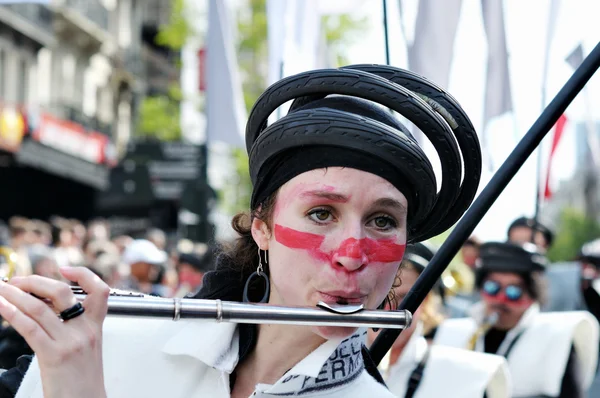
(328, 133)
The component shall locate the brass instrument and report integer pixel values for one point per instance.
(11, 262)
(488, 323)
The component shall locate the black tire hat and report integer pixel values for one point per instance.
(338, 118)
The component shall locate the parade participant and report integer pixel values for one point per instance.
(522, 230)
(413, 368)
(191, 267)
(339, 187)
(462, 277)
(575, 286)
(549, 354)
(147, 264)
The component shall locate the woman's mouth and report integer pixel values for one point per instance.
(342, 298)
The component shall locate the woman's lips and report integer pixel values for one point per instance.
(342, 298)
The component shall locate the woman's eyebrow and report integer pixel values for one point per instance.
(390, 203)
(334, 197)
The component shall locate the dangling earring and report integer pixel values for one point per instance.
(259, 273)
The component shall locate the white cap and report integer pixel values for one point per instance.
(143, 251)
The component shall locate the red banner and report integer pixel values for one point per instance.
(202, 70)
(71, 138)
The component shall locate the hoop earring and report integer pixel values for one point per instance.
(261, 274)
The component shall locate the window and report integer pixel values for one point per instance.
(22, 81)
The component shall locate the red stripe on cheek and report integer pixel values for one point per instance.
(301, 240)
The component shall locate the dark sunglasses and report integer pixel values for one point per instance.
(512, 292)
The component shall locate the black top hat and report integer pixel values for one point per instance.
(511, 257)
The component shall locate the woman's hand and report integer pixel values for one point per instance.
(69, 353)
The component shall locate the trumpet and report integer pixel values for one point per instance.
(488, 323)
(126, 303)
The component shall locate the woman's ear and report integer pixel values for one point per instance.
(261, 233)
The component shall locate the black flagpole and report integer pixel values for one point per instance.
(386, 34)
(499, 181)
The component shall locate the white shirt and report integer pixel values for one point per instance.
(193, 359)
(449, 372)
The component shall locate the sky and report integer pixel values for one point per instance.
(526, 29)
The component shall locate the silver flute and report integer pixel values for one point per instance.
(141, 305)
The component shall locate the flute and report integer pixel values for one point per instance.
(141, 305)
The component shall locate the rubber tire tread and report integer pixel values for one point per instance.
(370, 87)
(318, 126)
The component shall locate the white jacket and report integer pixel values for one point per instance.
(193, 359)
(449, 372)
(538, 359)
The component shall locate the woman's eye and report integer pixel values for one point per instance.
(320, 215)
(383, 222)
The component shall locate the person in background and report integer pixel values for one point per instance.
(20, 238)
(43, 262)
(158, 237)
(41, 232)
(469, 252)
(191, 268)
(122, 241)
(98, 230)
(146, 266)
(526, 229)
(549, 354)
(110, 269)
(462, 281)
(413, 368)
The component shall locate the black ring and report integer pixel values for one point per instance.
(72, 312)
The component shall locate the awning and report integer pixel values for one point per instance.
(37, 155)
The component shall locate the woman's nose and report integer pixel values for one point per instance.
(351, 255)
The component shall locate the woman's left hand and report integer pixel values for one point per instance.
(69, 352)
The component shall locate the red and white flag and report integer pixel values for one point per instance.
(558, 132)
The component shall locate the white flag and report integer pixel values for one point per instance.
(430, 54)
(225, 110)
(498, 97)
(575, 59)
(295, 41)
(294, 34)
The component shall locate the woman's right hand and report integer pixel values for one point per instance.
(69, 353)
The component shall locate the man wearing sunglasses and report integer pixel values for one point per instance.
(550, 354)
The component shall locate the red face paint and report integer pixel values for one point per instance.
(378, 251)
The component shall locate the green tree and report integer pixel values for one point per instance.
(252, 48)
(340, 31)
(574, 230)
(159, 114)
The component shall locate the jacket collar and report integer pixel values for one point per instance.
(215, 344)
(332, 364)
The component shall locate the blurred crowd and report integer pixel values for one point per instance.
(149, 263)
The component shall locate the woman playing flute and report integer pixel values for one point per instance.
(339, 187)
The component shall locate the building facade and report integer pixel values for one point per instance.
(72, 75)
